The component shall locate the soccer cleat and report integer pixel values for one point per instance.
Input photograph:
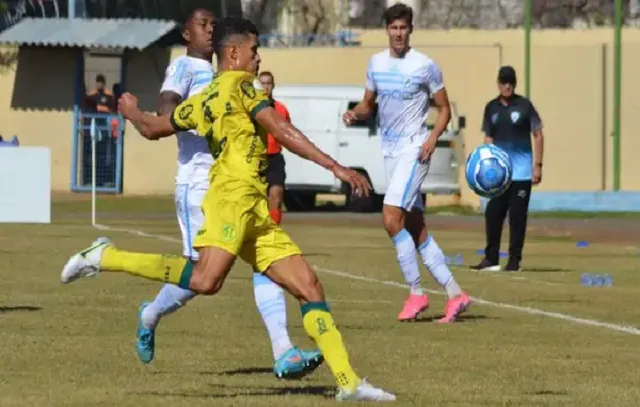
(413, 306)
(145, 338)
(86, 263)
(512, 265)
(365, 392)
(295, 363)
(312, 359)
(455, 306)
(486, 265)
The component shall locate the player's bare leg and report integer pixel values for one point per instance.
(276, 199)
(295, 275)
(394, 219)
(434, 261)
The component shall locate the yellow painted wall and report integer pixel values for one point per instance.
(571, 88)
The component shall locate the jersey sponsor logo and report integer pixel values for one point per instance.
(185, 112)
(248, 89)
(397, 94)
(252, 149)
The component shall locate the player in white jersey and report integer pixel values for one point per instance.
(403, 81)
(188, 75)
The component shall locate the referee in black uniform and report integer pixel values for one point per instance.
(509, 120)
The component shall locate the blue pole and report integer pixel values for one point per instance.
(121, 124)
(72, 8)
(79, 70)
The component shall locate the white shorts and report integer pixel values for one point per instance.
(405, 175)
(190, 217)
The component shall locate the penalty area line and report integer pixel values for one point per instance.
(524, 310)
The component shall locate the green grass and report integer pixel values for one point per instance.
(74, 345)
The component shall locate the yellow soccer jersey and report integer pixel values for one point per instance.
(224, 113)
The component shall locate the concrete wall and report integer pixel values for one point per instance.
(571, 88)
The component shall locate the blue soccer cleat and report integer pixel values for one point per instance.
(296, 363)
(145, 338)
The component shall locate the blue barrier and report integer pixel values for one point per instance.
(107, 130)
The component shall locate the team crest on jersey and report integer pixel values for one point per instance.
(494, 118)
(171, 70)
(515, 116)
(185, 112)
(248, 89)
(407, 82)
(228, 233)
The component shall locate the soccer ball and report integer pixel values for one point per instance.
(488, 171)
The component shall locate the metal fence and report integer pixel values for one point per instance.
(97, 151)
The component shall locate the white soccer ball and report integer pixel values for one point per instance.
(488, 171)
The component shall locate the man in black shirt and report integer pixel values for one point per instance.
(509, 120)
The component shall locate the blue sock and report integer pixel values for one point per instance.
(434, 260)
(169, 299)
(406, 252)
(273, 310)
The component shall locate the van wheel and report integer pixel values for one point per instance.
(299, 201)
(361, 204)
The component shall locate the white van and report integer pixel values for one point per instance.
(317, 111)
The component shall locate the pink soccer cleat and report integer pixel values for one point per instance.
(455, 306)
(414, 305)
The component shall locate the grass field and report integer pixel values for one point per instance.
(536, 338)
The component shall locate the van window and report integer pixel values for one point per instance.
(371, 123)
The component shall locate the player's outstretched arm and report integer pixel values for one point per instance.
(150, 127)
(362, 110)
(167, 103)
(293, 140)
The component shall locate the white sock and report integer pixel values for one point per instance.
(169, 299)
(273, 310)
(406, 252)
(434, 260)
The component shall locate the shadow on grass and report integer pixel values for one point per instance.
(542, 269)
(461, 318)
(234, 391)
(18, 308)
(248, 371)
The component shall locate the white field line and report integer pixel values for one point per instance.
(524, 310)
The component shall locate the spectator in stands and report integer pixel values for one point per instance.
(101, 97)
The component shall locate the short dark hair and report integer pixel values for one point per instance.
(398, 11)
(190, 14)
(228, 27)
(100, 78)
(267, 73)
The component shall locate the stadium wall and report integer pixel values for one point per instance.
(571, 87)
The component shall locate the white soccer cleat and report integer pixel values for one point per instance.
(365, 392)
(86, 263)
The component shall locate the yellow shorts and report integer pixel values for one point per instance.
(237, 220)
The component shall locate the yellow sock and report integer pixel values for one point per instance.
(167, 268)
(319, 325)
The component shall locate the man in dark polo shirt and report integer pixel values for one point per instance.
(509, 120)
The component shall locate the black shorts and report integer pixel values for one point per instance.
(275, 170)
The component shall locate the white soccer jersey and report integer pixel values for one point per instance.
(403, 86)
(188, 76)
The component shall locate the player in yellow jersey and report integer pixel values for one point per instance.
(235, 115)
